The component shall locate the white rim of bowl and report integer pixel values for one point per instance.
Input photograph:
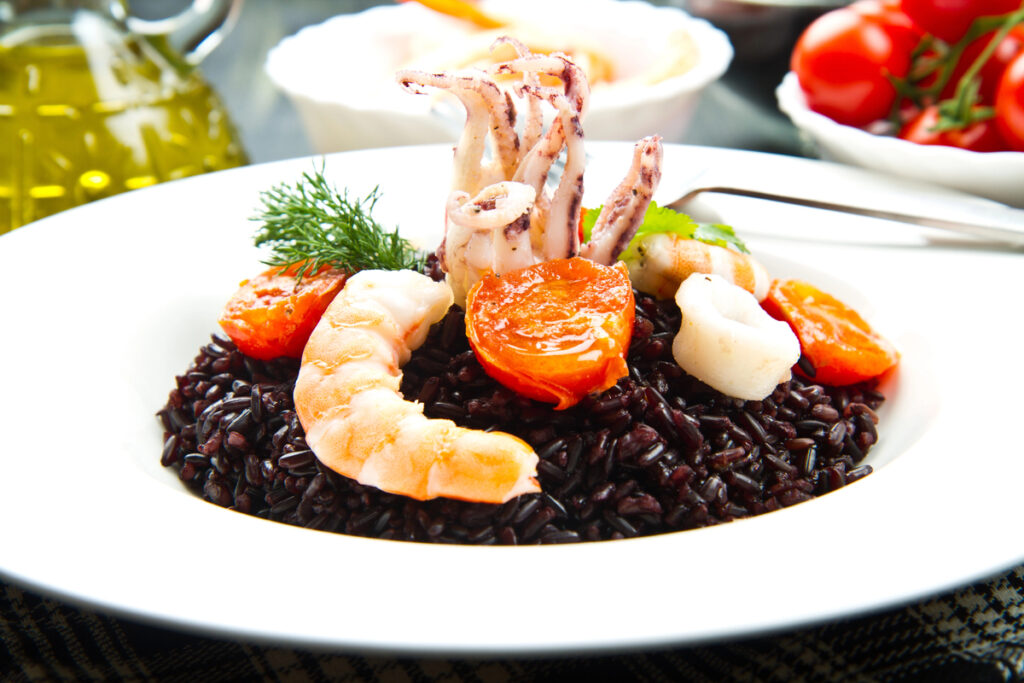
(715, 49)
(793, 103)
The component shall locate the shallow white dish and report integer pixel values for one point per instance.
(340, 74)
(113, 299)
(995, 175)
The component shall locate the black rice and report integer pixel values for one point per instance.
(658, 452)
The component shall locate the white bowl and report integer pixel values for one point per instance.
(995, 175)
(340, 74)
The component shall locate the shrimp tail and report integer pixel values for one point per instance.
(663, 261)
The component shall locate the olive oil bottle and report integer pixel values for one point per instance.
(89, 109)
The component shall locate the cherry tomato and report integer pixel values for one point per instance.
(890, 15)
(950, 19)
(841, 346)
(579, 226)
(272, 315)
(992, 70)
(1010, 104)
(979, 136)
(555, 331)
(843, 61)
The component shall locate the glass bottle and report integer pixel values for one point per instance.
(94, 102)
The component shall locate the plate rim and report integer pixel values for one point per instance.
(838, 499)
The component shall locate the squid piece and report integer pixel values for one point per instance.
(727, 341)
(624, 210)
(501, 213)
(487, 233)
(560, 236)
(490, 114)
(481, 235)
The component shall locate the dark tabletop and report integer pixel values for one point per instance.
(975, 633)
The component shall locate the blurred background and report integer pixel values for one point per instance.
(738, 111)
(92, 105)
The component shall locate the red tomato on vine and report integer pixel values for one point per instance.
(992, 70)
(1010, 104)
(844, 60)
(891, 16)
(950, 19)
(977, 136)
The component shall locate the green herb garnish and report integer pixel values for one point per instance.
(663, 219)
(311, 225)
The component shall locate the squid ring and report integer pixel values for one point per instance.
(727, 341)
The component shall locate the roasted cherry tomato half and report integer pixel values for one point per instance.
(555, 331)
(273, 314)
(841, 347)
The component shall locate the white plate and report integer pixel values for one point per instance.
(103, 305)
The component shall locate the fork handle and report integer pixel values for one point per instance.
(852, 190)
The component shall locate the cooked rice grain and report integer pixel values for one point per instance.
(658, 452)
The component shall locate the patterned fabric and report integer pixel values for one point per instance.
(975, 634)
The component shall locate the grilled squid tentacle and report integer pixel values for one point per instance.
(502, 214)
(490, 114)
(560, 237)
(533, 171)
(625, 207)
(533, 121)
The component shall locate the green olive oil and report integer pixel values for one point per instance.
(84, 120)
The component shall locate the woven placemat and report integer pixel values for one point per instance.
(974, 634)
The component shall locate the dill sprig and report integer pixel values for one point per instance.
(311, 225)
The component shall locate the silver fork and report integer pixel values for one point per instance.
(853, 190)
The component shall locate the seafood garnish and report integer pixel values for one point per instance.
(485, 230)
(662, 261)
(357, 422)
(729, 342)
(624, 211)
(492, 227)
(490, 115)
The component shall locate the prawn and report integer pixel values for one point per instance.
(359, 425)
(662, 261)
